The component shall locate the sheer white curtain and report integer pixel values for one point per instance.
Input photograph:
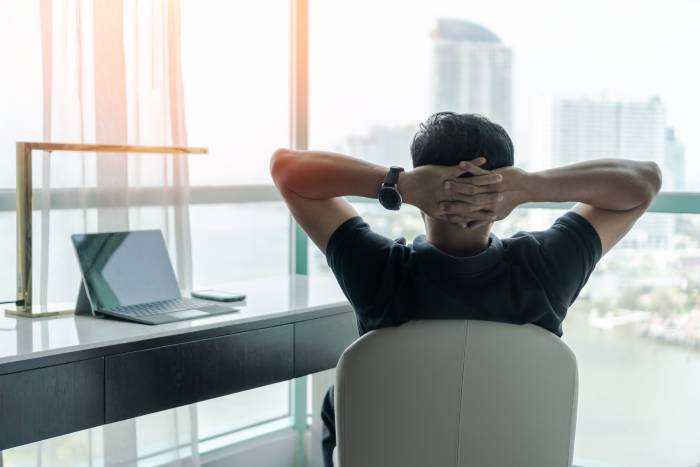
(112, 75)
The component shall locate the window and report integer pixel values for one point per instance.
(551, 73)
(235, 60)
(236, 73)
(568, 83)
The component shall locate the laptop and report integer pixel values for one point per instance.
(128, 275)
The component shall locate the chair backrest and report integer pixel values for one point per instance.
(456, 393)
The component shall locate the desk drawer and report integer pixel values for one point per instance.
(147, 381)
(319, 343)
(47, 402)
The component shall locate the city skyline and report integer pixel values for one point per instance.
(604, 128)
(571, 51)
(466, 55)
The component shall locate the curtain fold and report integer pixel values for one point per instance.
(112, 74)
(46, 18)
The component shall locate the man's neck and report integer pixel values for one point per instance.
(455, 240)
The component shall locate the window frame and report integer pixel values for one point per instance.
(297, 417)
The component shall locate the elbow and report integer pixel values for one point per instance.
(654, 178)
(650, 178)
(280, 163)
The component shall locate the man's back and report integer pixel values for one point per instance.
(531, 277)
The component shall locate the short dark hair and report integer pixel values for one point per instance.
(447, 138)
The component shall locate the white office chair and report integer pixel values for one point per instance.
(457, 394)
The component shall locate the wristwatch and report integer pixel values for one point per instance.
(389, 195)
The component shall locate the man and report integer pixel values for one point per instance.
(463, 181)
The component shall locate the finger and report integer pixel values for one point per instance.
(489, 179)
(476, 224)
(455, 208)
(465, 167)
(487, 198)
(473, 185)
(483, 207)
(465, 188)
(462, 209)
(483, 199)
(481, 160)
(483, 215)
(458, 220)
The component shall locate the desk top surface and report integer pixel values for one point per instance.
(270, 301)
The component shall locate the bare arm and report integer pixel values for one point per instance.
(611, 184)
(612, 193)
(313, 184)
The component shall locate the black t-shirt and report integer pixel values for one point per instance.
(531, 277)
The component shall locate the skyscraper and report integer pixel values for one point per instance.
(472, 71)
(675, 161)
(585, 128)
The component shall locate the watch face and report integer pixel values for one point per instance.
(390, 198)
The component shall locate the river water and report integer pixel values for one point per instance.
(639, 399)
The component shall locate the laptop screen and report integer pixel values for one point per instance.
(125, 268)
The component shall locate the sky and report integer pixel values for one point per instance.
(371, 61)
(370, 64)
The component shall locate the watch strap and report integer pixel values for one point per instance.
(392, 177)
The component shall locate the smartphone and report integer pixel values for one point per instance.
(218, 295)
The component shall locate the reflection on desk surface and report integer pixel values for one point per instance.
(22, 338)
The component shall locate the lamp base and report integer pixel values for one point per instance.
(38, 311)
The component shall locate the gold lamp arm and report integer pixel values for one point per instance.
(25, 189)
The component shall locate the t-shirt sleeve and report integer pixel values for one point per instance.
(568, 253)
(360, 260)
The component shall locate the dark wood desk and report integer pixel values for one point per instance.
(60, 375)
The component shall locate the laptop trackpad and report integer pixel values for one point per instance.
(187, 314)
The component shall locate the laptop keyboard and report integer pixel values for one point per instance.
(155, 308)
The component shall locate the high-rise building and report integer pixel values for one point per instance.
(585, 128)
(472, 74)
(473, 71)
(675, 161)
